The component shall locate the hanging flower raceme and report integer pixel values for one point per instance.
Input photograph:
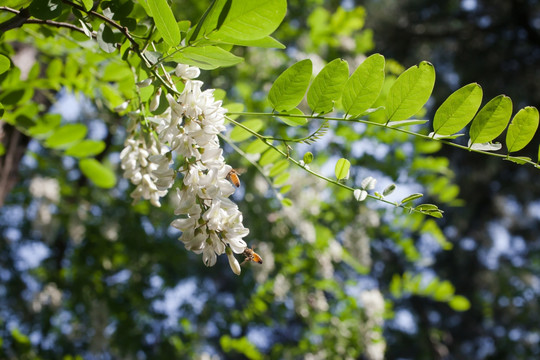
(210, 222)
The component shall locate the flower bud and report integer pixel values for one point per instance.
(235, 266)
(154, 104)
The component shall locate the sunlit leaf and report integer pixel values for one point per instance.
(522, 128)
(491, 120)
(279, 167)
(308, 158)
(99, 174)
(66, 136)
(5, 63)
(251, 20)
(165, 21)
(410, 92)
(293, 120)
(206, 57)
(86, 148)
(240, 134)
(459, 303)
(342, 169)
(327, 86)
(457, 110)
(364, 86)
(289, 88)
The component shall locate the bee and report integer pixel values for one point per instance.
(251, 256)
(234, 177)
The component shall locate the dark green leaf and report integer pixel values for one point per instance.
(491, 120)
(165, 21)
(289, 88)
(105, 39)
(100, 175)
(46, 9)
(410, 92)
(327, 86)
(364, 86)
(522, 129)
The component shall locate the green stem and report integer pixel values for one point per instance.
(307, 169)
(383, 125)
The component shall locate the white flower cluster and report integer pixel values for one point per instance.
(210, 222)
(374, 343)
(135, 159)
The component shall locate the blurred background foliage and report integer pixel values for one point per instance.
(84, 274)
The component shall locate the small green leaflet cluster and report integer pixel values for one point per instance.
(333, 89)
(225, 23)
(442, 291)
(487, 124)
(47, 128)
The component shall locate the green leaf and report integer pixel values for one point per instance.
(342, 169)
(411, 198)
(281, 179)
(518, 159)
(2, 149)
(265, 42)
(406, 122)
(206, 57)
(268, 157)
(88, 4)
(364, 86)
(5, 63)
(1, 110)
(239, 134)
(99, 174)
(458, 110)
(444, 291)
(105, 39)
(251, 20)
(279, 167)
(212, 19)
(46, 9)
(256, 147)
(86, 148)
(165, 21)
(293, 121)
(66, 136)
(522, 129)
(491, 120)
(459, 303)
(308, 158)
(45, 125)
(410, 91)
(289, 88)
(327, 86)
(389, 189)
